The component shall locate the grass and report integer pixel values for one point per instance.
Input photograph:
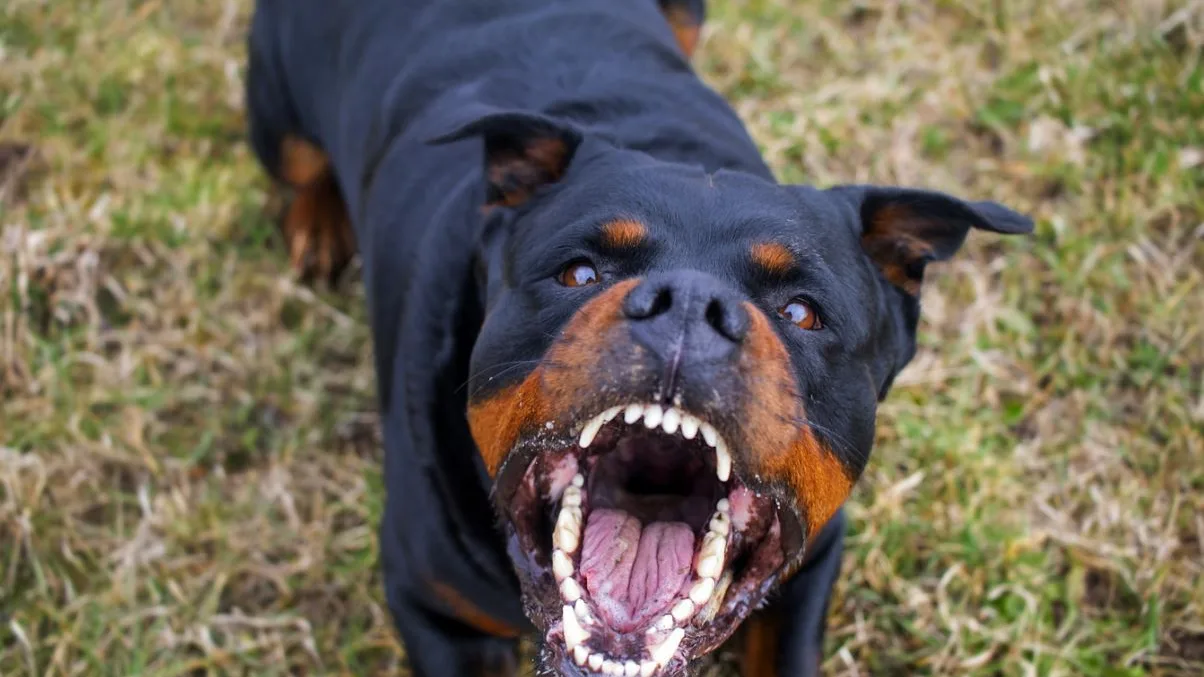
(188, 451)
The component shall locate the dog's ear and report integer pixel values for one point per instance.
(523, 151)
(902, 230)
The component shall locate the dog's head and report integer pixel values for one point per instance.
(676, 381)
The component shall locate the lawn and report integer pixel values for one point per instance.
(188, 449)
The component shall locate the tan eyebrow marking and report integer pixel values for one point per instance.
(624, 234)
(773, 258)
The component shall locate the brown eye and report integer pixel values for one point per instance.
(578, 274)
(802, 314)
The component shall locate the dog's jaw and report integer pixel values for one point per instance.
(688, 568)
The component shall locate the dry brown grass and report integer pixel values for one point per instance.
(188, 452)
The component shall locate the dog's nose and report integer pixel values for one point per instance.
(687, 316)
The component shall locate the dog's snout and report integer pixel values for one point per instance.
(687, 317)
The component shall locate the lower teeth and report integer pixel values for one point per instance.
(704, 599)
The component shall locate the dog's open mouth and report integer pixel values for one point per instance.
(649, 545)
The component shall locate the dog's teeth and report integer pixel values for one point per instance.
(682, 610)
(579, 481)
(708, 612)
(610, 414)
(652, 416)
(713, 545)
(574, 634)
(708, 433)
(666, 623)
(689, 426)
(631, 669)
(612, 668)
(562, 566)
(572, 496)
(571, 592)
(580, 654)
(567, 535)
(708, 567)
(663, 652)
(595, 662)
(701, 592)
(582, 612)
(633, 413)
(723, 506)
(671, 420)
(723, 461)
(590, 431)
(720, 523)
(647, 668)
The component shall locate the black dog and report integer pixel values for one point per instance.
(627, 379)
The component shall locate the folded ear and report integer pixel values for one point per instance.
(523, 151)
(903, 230)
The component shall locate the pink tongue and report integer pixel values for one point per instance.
(632, 573)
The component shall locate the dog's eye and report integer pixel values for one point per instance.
(802, 314)
(578, 274)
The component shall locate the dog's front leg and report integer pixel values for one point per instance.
(439, 645)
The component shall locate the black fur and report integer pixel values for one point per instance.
(403, 96)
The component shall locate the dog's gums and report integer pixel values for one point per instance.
(650, 548)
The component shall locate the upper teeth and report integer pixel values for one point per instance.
(672, 421)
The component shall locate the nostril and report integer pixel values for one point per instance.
(662, 302)
(728, 319)
(647, 301)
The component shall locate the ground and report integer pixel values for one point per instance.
(188, 451)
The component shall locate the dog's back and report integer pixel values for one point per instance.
(370, 82)
(360, 78)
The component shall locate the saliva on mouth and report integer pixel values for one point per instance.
(657, 549)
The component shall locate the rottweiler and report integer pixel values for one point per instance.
(627, 379)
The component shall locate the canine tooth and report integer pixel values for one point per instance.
(682, 610)
(708, 433)
(633, 413)
(570, 591)
(595, 662)
(562, 566)
(590, 431)
(610, 414)
(652, 415)
(723, 506)
(579, 481)
(572, 497)
(580, 654)
(721, 524)
(574, 634)
(689, 426)
(647, 668)
(671, 420)
(708, 567)
(663, 652)
(723, 461)
(632, 669)
(701, 592)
